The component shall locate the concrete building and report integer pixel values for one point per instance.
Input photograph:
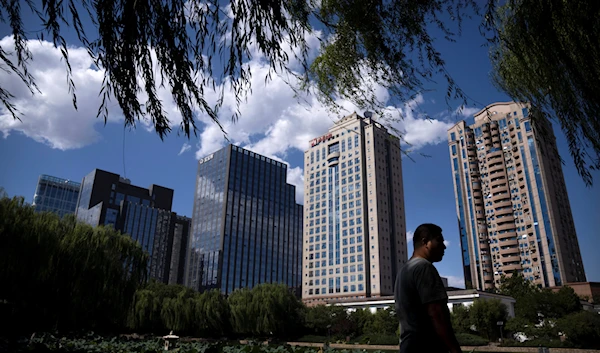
(144, 214)
(247, 226)
(589, 291)
(456, 297)
(56, 195)
(511, 200)
(354, 225)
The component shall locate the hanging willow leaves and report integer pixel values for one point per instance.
(64, 274)
(548, 53)
(192, 47)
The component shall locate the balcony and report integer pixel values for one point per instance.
(512, 242)
(505, 226)
(510, 258)
(499, 181)
(502, 202)
(511, 268)
(505, 235)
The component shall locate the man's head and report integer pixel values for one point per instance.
(428, 242)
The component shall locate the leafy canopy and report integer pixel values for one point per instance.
(192, 46)
(548, 53)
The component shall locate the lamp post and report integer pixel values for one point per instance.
(500, 324)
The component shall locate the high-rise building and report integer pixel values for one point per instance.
(246, 225)
(354, 225)
(144, 214)
(181, 232)
(56, 195)
(513, 210)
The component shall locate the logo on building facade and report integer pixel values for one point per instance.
(205, 159)
(318, 140)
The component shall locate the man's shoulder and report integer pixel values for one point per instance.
(417, 264)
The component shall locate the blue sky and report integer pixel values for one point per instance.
(55, 139)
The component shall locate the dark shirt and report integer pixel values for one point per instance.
(418, 283)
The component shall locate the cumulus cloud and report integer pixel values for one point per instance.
(49, 117)
(447, 243)
(417, 128)
(273, 121)
(295, 176)
(409, 236)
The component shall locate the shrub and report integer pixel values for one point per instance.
(312, 338)
(467, 339)
(581, 329)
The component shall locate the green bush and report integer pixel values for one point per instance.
(581, 329)
(385, 340)
(312, 338)
(466, 339)
(543, 342)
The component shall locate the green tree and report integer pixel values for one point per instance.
(267, 309)
(461, 321)
(383, 322)
(360, 319)
(485, 314)
(211, 314)
(582, 329)
(547, 53)
(567, 302)
(326, 320)
(64, 274)
(524, 292)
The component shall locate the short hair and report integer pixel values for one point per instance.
(424, 233)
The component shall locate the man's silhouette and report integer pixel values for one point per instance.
(421, 299)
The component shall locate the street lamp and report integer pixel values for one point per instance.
(500, 324)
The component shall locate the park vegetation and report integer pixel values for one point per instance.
(63, 277)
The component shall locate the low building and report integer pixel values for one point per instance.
(585, 290)
(56, 195)
(457, 297)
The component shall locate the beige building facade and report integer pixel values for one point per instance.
(513, 209)
(354, 223)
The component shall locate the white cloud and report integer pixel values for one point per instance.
(418, 129)
(295, 176)
(49, 117)
(409, 237)
(186, 147)
(447, 243)
(273, 120)
(455, 281)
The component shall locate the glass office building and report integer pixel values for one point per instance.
(143, 213)
(511, 200)
(246, 225)
(56, 195)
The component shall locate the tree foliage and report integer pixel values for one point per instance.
(548, 53)
(485, 314)
(62, 274)
(192, 47)
(581, 329)
(265, 310)
(461, 321)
